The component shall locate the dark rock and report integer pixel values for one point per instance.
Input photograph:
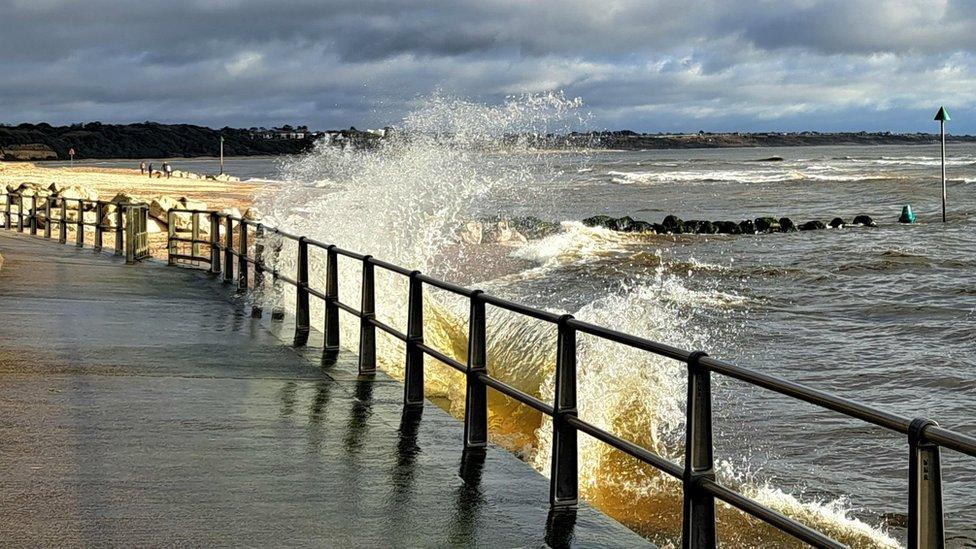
(786, 225)
(766, 224)
(837, 223)
(659, 229)
(727, 227)
(533, 228)
(598, 221)
(693, 226)
(641, 227)
(707, 227)
(813, 226)
(747, 227)
(865, 220)
(621, 223)
(673, 224)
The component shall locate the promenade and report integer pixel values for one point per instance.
(142, 406)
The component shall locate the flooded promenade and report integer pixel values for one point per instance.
(141, 405)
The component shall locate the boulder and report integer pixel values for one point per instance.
(159, 208)
(126, 198)
(659, 228)
(837, 223)
(641, 227)
(767, 225)
(707, 227)
(502, 233)
(233, 212)
(786, 225)
(252, 214)
(814, 225)
(865, 220)
(598, 221)
(728, 227)
(747, 227)
(154, 226)
(55, 187)
(693, 226)
(472, 232)
(621, 223)
(76, 192)
(532, 227)
(673, 224)
(191, 204)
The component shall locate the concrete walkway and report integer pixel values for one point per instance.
(140, 406)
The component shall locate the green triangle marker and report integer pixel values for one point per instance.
(942, 115)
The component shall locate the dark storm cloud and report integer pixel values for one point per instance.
(641, 64)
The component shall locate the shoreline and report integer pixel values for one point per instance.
(108, 182)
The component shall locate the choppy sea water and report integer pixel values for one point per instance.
(884, 316)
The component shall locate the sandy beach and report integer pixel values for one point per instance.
(109, 181)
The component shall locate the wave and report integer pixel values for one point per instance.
(815, 173)
(404, 202)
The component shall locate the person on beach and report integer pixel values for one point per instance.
(150, 170)
(142, 168)
(168, 170)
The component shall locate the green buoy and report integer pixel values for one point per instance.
(907, 215)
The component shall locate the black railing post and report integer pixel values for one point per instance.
(331, 348)
(214, 243)
(20, 213)
(302, 325)
(926, 526)
(131, 224)
(33, 215)
(80, 225)
(367, 331)
(564, 474)
(413, 380)
(47, 217)
(119, 234)
(277, 311)
(256, 310)
(476, 394)
(195, 234)
(242, 264)
(63, 223)
(698, 525)
(229, 250)
(99, 211)
(7, 199)
(170, 237)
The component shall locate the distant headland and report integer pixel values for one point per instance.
(95, 140)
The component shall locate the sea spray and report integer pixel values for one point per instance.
(404, 202)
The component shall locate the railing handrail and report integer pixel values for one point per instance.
(699, 480)
(130, 242)
(698, 477)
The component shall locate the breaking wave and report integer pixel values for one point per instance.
(404, 202)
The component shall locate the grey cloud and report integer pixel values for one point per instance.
(636, 63)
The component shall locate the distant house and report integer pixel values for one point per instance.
(284, 132)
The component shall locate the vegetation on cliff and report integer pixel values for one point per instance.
(145, 140)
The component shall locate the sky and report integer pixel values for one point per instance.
(646, 65)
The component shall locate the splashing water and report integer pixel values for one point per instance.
(403, 203)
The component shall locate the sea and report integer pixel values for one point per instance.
(882, 315)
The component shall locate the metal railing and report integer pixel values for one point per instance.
(925, 438)
(24, 213)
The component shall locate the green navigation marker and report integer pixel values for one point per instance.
(942, 115)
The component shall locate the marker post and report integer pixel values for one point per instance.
(942, 116)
